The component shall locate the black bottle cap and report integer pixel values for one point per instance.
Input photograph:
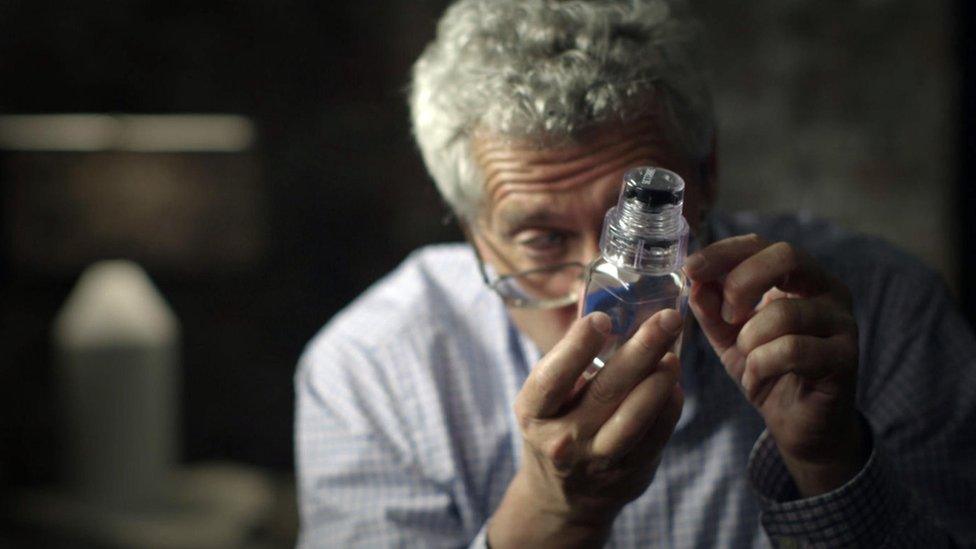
(653, 187)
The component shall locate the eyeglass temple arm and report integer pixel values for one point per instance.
(474, 247)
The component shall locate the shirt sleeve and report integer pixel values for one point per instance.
(870, 510)
(917, 391)
(359, 480)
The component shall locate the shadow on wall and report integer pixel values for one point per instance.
(846, 110)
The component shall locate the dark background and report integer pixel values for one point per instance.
(966, 50)
(324, 82)
(346, 196)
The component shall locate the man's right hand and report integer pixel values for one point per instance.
(590, 450)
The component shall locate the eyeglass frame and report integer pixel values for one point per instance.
(537, 304)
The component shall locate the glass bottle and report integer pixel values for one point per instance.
(642, 249)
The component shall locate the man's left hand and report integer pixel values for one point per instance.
(785, 332)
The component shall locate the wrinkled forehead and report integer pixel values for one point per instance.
(538, 169)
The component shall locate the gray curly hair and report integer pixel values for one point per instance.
(533, 68)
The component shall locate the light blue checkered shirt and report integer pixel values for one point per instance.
(405, 435)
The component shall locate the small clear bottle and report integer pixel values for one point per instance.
(642, 249)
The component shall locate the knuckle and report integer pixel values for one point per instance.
(749, 363)
(576, 347)
(603, 392)
(651, 338)
(754, 238)
(733, 287)
(645, 344)
(669, 367)
(788, 313)
(794, 348)
(746, 340)
(628, 429)
(670, 379)
(661, 383)
(584, 342)
(670, 363)
(752, 363)
(544, 385)
(524, 419)
(560, 448)
(786, 253)
(552, 450)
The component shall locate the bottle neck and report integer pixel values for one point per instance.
(645, 241)
(634, 217)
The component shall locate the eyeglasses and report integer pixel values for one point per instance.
(548, 287)
(554, 286)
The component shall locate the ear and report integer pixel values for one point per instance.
(469, 235)
(468, 228)
(480, 248)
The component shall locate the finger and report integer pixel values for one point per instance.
(632, 362)
(551, 381)
(815, 317)
(706, 304)
(648, 449)
(771, 296)
(779, 265)
(717, 259)
(706, 299)
(809, 357)
(638, 412)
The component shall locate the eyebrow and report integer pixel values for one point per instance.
(513, 219)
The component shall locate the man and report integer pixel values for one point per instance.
(823, 397)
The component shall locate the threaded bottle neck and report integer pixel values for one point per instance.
(645, 230)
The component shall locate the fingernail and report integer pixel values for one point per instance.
(600, 322)
(727, 312)
(694, 262)
(670, 321)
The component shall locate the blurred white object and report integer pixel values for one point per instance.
(117, 346)
(117, 352)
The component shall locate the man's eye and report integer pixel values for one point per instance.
(543, 242)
